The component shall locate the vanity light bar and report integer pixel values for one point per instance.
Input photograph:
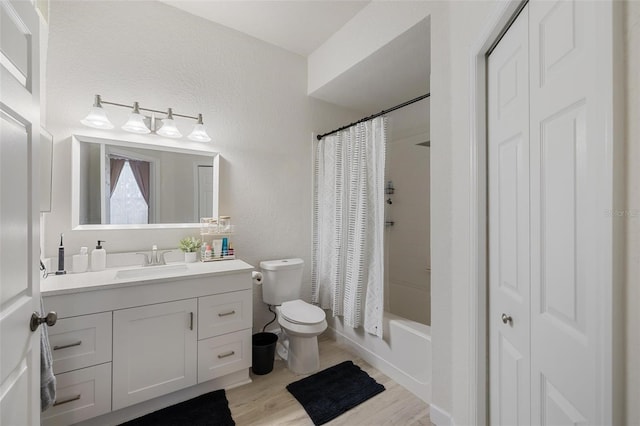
(97, 118)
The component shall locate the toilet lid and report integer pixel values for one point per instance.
(301, 312)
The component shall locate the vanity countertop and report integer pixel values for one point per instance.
(110, 278)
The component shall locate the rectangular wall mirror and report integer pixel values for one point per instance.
(119, 184)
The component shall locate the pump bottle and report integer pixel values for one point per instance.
(98, 257)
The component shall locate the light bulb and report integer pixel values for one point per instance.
(136, 124)
(97, 118)
(199, 134)
(169, 128)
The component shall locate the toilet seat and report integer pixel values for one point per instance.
(301, 312)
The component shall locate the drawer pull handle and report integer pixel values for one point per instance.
(226, 354)
(224, 314)
(190, 320)
(70, 345)
(68, 400)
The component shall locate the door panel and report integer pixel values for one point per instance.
(19, 219)
(561, 147)
(508, 156)
(14, 182)
(567, 159)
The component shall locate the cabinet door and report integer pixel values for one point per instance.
(154, 351)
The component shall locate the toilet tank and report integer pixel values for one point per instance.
(281, 280)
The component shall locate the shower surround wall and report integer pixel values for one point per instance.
(408, 272)
(253, 97)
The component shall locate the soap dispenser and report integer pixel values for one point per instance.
(98, 257)
(81, 261)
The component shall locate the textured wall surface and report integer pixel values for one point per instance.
(253, 98)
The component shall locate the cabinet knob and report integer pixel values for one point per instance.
(507, 319)
(36, 320)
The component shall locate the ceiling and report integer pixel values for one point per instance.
(394, 74)
(397, 72)
(299, 26)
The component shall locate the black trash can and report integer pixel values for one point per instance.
(263, 352)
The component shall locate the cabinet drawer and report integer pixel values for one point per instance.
(80, 395)
(80, 342)
(224, 313)
(224, 354)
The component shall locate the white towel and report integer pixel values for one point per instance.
(47, 379)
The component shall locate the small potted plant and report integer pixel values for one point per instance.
(190, 247)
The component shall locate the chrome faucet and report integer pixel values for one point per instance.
(155, 258)
(154, 255)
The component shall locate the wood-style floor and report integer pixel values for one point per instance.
(267, 402)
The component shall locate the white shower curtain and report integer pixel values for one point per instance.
(348, 224)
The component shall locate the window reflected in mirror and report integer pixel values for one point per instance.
(129, 193)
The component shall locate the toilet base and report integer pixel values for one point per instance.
(300, 353)
(303, 355)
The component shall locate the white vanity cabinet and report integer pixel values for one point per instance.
(154, 351)
(127, 349)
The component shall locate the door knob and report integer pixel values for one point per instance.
(36, 320)
(507, 319)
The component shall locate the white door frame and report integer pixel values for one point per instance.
(609, 46)
(478, 297)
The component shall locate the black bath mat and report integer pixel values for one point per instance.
(331, 392)
(211, 409)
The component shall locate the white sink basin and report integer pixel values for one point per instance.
(151, 271)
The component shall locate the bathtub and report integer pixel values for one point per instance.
(403, 354)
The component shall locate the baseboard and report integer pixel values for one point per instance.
(439, 417)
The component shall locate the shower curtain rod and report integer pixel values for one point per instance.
(371, 117)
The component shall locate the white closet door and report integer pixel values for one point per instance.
(567, 175)
(508, 156)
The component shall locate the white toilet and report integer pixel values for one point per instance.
(300, 321)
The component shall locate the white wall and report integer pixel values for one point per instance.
(441, 214)
(254, 102)
(467, 19)
(632, 216)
